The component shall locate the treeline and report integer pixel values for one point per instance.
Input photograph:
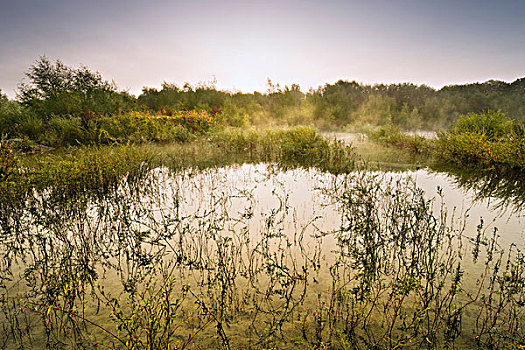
(345, 104)
(55, 97)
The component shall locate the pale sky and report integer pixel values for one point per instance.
(242, 43)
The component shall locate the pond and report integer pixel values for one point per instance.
(253, 256)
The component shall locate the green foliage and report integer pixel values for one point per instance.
(390, 135)
(333, 106)
(55, 90)
(6, 161)
(58, 90)
(89, 128)
(298, 146)
(493, 125)
(141, 127)
(12, 117)
(203, 96)
(486, 140)
(82, 170)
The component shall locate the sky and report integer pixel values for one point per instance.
(242, 43)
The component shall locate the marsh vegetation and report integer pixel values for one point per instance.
(176, 220)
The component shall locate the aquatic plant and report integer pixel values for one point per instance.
(192, 259)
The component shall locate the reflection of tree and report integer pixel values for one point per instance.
(507, 188)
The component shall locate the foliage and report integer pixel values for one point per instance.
(6, 161)
(59, 90)
(485, 140)
(299, 146)
(407, 106)
(54, 90)
(87, 171)
(390, 135)
(90, 128)
(482, 141)
(142, 126)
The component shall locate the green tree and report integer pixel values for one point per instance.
(56, 89)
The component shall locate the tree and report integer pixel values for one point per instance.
(56, 89)
(3, 97)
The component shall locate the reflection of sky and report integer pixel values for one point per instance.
(509, 221)
(141, 43)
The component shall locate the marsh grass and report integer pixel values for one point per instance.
(483, 141)
(391, 135)
(288, 148)
(101, 247)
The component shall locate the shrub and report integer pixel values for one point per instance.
(391, 135)
(493, 125)
(6, 161)
(487, 140)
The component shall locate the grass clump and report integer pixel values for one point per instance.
(390, 135)
(288, 148)
(85, 171)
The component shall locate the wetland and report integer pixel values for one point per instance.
(251, 254)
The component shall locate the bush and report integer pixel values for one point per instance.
(141, 127)
(391, 135)
(487, 140)
(493, 125)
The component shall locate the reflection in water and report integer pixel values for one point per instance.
(505, 188)
(256, 257)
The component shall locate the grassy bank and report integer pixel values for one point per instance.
(478, 141)
(78, 170)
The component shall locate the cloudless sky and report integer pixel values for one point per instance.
(242, 43)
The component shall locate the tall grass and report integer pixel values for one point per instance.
(287, 147)
(392, 136)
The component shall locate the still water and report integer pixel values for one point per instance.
(272, 258)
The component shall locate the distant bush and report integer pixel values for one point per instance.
(390, 135)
